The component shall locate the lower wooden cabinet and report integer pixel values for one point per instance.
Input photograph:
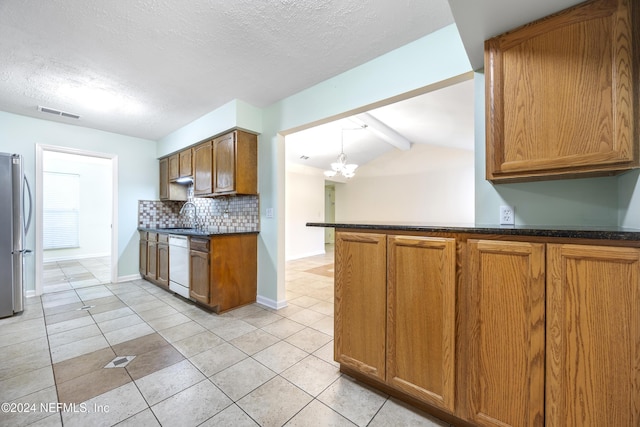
(493, 332)
(199, 266)
(421, 317)
(504, 379)
(395, 312)
(162, 276)
(593, 336)
(360, 302)
(142, 262)
(152, 257)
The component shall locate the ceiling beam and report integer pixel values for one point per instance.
(384, 132)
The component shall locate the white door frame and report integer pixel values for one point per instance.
(39, 255)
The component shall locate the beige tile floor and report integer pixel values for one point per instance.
(73, 274)
(64, 361)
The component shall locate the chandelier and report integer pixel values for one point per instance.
(341, 166)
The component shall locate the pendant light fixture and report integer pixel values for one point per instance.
(340, 166)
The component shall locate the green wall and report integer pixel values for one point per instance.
(578, 202)
(137, 174)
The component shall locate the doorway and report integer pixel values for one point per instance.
(76, 211)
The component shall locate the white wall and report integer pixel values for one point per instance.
(137, 174)
(95, 204)
(426, 184)
(304, 193)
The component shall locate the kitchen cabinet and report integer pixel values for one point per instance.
(162, 276)
(360, 302)
(490, 329)
(395, 312)
(505, 376)
(152, 256)
(199, 263)
(185, 168)
(593, 336)
(174, 167)
(142, 262)
(202, 169)
(235, 163)
(170, 190)
(226, 165)
(562, 95)
(421, 318)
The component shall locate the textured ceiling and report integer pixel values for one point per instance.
(148, 67)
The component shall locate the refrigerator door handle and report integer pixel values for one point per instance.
(27, 218)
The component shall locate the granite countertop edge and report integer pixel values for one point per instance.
(575, 232)
(194, 233)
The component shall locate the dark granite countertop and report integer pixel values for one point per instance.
(574, 232)
(186, 231)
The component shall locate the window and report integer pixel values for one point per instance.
(61, 210)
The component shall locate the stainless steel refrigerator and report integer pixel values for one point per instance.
(15, 195)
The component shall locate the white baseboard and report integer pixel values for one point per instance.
(30, 293)
(276, 305)
(129, 278)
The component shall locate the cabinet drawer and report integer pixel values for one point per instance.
(152, 237)
(201, 245)
(143, 235)
(163, 238)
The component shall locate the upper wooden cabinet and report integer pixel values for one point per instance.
(185, 160)
(168, 189)
(562, 94)
(226, 165)
(174, 167)
(202, 169)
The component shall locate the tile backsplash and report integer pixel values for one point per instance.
(226, 213)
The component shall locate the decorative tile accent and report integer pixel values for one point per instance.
(120, 362)
(224, 214)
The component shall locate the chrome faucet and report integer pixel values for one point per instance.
(194, 212)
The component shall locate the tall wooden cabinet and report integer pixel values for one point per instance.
(593, 336)
(395, 312)
(562, 94)
(162, 276)
(504, 381)
(199, 266)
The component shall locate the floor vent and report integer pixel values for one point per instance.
(57, 112)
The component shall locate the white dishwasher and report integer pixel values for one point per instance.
(179, 264)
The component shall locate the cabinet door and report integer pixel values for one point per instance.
(360, 302)
(505, 378)
(199, 286)
(224, 159)
(174, 167)
(163, 264)
(593, 336)
(560, 94)
(186, 165)
(202, 173)
(164, 179)
(152, 260)
(421, 287)
(143, 255)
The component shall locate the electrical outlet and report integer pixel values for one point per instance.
(269, 212)
(507, 215)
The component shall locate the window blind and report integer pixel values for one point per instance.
(61, 210)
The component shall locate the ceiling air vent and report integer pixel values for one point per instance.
(57, 112)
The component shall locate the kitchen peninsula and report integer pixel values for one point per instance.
(493, 326)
